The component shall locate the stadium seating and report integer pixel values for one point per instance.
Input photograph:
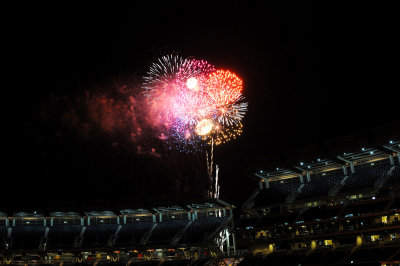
(133, 233)
(364, 178)
(394, 177)
(62, 236)
(166, 230)
(200, 229)
(276, 194)
(27, 237)
(320, 186)
(98, 235)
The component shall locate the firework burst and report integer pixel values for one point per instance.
(194, 102)
(224, 89)
(221, 134)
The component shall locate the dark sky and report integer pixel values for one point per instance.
(311, 73)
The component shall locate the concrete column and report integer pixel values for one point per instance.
(391, 159)
(228, 246)
(352, 168)
(234, 243)
(308, 176)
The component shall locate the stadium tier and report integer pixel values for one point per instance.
(182, 233)
(342, 209)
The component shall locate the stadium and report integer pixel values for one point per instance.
(339, 207)
(180, 233)
(200, 133)
(336, 205)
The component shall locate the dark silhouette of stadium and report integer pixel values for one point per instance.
(332, 204)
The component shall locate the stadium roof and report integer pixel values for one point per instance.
(365, 155)
(100, 213)
(64, 214)
(209, 204)
(358, 148)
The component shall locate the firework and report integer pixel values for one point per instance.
(221, 134)
(193, 102)
(194, 74)
(163, 72)
(224, 89)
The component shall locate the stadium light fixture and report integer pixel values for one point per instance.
(301, 163)
(309, 167)
(363, 149)
(371, 152)
(391, 142)
(261, 171)
(319, 159)
(277, 168)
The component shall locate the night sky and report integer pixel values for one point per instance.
(311, 73)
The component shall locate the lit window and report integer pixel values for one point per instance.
(384, 219)
(374, 238)
(328, 242)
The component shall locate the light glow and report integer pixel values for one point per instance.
(191, 83)
(204, 127)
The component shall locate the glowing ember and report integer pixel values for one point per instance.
(204, 127)
(191, 83)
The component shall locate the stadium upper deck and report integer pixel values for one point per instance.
(343, 165)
